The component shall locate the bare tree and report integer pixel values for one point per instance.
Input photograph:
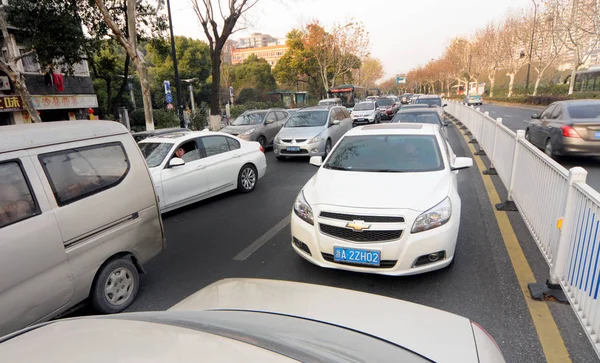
(129, 42)
(512, 48)
(218, 22)
(493, 57)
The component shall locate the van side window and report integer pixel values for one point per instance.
(77, 173)
(16, 199)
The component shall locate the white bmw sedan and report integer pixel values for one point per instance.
(385, 201)
(191, 166)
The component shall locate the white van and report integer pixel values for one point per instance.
(78, 219)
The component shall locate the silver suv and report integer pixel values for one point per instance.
(258, 125)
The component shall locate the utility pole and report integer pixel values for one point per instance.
(177, 80)
(531, 45)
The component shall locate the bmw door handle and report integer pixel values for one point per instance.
(200, 167)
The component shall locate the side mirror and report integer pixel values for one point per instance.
(335, 122)
(535, 115)
(446, 123)
(316, 161)
(176, 162)
(269, 121)
(461, 163)
(445, 104)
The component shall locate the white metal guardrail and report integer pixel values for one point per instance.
(560, 210)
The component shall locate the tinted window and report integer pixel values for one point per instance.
(249, 119)
(547, 112)
(387, 153)
(385, 102)
(557, 113)
(16, 200)
(591, 110)
(429, 101)
(308, 119)
(281, 115)
(271, 116)
(233, 144)
(365, 106)
(337, 114)
(215, 145)
(78, 173)
(418, 117)
(155, 152)
(345, 113)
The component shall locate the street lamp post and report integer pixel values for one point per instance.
(191, 88)
(175, 68)
(531, 45)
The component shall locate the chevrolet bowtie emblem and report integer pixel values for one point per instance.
(358, 226)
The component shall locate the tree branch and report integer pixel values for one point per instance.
(23, 55)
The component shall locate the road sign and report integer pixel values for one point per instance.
(400, 79)
(170, 106)
(169, 98)
(167, 87)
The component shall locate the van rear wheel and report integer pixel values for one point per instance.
(115, 287)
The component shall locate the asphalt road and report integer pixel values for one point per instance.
(204, 238)
(517, 118)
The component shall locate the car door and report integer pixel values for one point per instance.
(185, 182)
(546, 125)
(536, 135)
(272, 128)
(35, 277)
(551, 128)
(222, 162)
(346, 121)
(335, 131)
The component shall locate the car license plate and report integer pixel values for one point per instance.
(293, 148)
(597, 135)
(353, 255)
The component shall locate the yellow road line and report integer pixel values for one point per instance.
(552, 343)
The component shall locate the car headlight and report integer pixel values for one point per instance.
(317, 138)
(302, 209)
(434, 217)
(248, 132)
(371, 116)
(277, 139)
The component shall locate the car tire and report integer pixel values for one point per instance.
(115, 286)
(328, 147)
(548, 150)
(262, 141)
(280, 158)
(247, 179)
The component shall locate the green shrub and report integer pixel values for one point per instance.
(200, 118)
(162, 119)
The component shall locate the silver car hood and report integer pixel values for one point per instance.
(300, 132)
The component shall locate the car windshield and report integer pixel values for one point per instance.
(364, 106)
(418, 117)
(430, 101)
(585, 111)
(308, 119)
(155, 152)
(385, 102)
(254, 118)
(387, 153)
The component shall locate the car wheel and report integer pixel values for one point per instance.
(280, 158)
(247, 179)
(115, 287)
(548, 148)
(262, 141)
(327, 148)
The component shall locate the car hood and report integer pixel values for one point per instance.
(415, 191)
(409, 325)
(236, 130)
(300, 132)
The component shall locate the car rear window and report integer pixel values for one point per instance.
(364, 106)
(585, 111)
(418, 117)
(385, 102)
(387, 153)
(430, 101)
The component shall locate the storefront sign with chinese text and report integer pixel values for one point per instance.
(10, 103)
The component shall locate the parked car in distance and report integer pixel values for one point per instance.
(473, 100)
(260, 126)
(412, 230)
(312, 131)
(567, 128)
(78, 220)
(405, 98)
(365, 113)
(386, 107)
(139, 136)
(254, 320)
(330, 102)
(433, 101)
(201, 164)
(422, 116)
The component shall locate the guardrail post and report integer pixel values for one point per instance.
(491, 170)
(481, 151)
(552, 288)
(468, 119)
(509, 204)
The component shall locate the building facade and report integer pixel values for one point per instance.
(255, 40)
(271, 54)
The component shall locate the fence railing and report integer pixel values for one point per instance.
(560, 210)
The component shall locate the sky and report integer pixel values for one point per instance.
(404, 34)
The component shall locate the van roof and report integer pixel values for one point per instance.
(27, 136)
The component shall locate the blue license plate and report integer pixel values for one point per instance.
(597, 135)
(293, 148)
(353, 255)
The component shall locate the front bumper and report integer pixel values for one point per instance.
(304, 149)
(362, 121)
(398, 257)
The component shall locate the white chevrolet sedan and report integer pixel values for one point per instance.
(191, 166)
(385, 201)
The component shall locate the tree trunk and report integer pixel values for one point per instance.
(119, 98)
(492, 83)
(21, 88)
(511, 84)
(572, 80)
(142, 69)
(109, 103)
(216, 82)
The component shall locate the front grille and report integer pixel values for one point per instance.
(383, 264)
(370, 219)
(301, 152)
(364, 236)
(289, 141)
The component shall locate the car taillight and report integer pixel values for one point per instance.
(568, 131)
(262, 149)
